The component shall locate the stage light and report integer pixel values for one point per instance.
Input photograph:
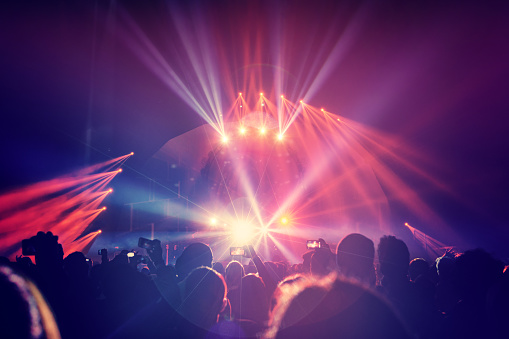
(282, 96)
(132, 153)
(339, 120)
(301, 102)
(284, 221)
(280, 137)
(322, 110)
(110, 190)
(225, 139)
(263, 130)
(242, 130)
(406, 224)
(119, 170)
(240, 93)
(242, 232)
(263, 104)
(104, 208)
(240, 106)
(261, 94)
(213, 221)
(100, 231)
(265, 230)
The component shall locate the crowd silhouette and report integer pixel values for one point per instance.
(356, 291)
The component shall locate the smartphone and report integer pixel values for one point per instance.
(237, 251)
(27, 247)
(312, 244)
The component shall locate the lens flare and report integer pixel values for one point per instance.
(242, 232)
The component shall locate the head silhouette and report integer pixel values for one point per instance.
(234, 272)
(354, 257)
(204, 297)
(333, 306)
(394, 257)
(193, 256)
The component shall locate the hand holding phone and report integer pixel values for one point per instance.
(237, 251)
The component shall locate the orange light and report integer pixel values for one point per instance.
(339, 120)
(261, 94)
(406, 224)
(284, 220)
(263, 130)
(110, 190)
(119, 170)
(301, 102)
(225, 139)
(280, 136)
(103, 208)
(282, 96)
(242, 130)
(321, 110)
(100, 231)
(240, 93)
(132, 153)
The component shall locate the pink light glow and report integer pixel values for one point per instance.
(65, 206)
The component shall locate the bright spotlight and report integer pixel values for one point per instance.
(100, 231)
(240, 93)
(284, 221)
(242, 130)
(103, 208)
(224, 139)
(261, 94)
(132, 153)
(240, 106)
(282, 96)
(119, 170)
(280, 136)
(213, 221)
(301, 102)
(242, 232)
(110, 190)
(263, 130)
(265, 230)
(322, 110)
